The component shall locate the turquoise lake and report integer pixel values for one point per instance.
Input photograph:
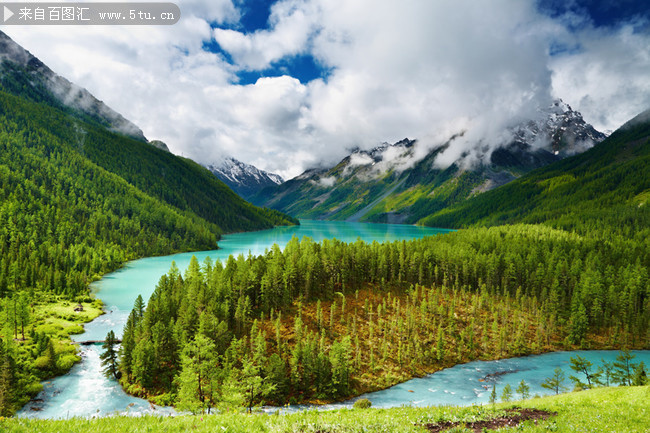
(85, 392)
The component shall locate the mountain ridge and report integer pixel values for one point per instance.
(402, 182)
(245, 179)
(24, 75)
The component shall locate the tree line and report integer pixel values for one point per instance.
(322, 321)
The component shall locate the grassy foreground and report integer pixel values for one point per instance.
(620, 409)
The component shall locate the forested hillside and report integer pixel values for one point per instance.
(404, 183)
(77, 201)
(326, 321)
(606, 189)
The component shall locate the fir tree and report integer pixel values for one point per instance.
(555, 382)
(109, 356)
(523, 390)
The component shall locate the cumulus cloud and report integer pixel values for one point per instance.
(607, 79)
(292, 24)
(421, 69)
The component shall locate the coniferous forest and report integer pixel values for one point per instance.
(320, 322)
(77, 201)
(558, 259)
(326, 321)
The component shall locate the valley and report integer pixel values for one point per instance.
(278, 258)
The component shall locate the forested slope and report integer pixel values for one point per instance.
(329, 320)
(319, 322)
(77, 201)
(606, 189)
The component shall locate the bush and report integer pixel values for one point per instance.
(362, 403)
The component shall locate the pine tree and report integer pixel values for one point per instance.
(493, 395)
(581, 365)
(440, 344)
(606, 370)
(523, 389)
(640, 376)
(555, 382)
(506, 396)
(579, 324)
(624, 368)
(253, 385)
(197, 381)
(109, 356)
(22, 311)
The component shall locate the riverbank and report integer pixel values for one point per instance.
(620, 409)
(42, 337)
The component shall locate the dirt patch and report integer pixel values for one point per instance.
(514, 417)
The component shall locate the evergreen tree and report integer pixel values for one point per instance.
(109, 356)
(555, 382)
(493, 395)
(624, 368)
(253, 385)
(606, 370)
(579, 324)
(640, 376)
(581, 365)
(506, 396)
(523, 390)
(198, 384)
(22, 312)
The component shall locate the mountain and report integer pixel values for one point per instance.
(245, 179)
(104, 137)
(400, 183)
(81, 192)
(606, 187)
(24, 75)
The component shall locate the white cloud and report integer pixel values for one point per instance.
(293, 22)
(417, 69)
(608, 80)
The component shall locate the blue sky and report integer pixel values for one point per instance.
(597, 13)
(609, 13)
(254, 17)
(291, 84)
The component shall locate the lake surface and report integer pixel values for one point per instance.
(85, 392)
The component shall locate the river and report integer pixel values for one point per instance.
(85, 392)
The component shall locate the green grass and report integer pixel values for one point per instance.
(622, 409)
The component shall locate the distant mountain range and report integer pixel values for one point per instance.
(390, 183)
(245, 179)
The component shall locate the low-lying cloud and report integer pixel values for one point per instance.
(419, 69)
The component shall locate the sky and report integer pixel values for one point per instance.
(287, 85)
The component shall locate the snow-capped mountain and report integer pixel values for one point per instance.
(245, 179)
(400, 182)
(22, 73)
(559, 130)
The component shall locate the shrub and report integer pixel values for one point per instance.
(362, 403)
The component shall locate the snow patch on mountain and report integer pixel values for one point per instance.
(245, 179)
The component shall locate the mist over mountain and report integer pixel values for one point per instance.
(24, 75)
(405, 181)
